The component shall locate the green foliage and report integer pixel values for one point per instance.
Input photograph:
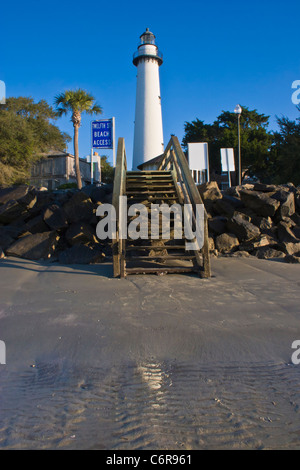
(25, 133)
(107, 171)
(286, 151)
(256, 141)
(67, 186)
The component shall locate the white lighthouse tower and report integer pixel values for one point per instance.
(148, 129)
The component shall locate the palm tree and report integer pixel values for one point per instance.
(76, 102)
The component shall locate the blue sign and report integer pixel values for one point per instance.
(102, 134)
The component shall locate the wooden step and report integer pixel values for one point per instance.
(165, 270)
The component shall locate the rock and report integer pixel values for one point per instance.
(36, 225)
(266, 188)
(210, 191)
(226, 242)
(217, 224)
(80, 233)
(95, 193)
(293, 258)
(290, 248)
(13, 193)
(222, 207)
(55, 217)
(5, 240)
(240, 254)
(266, 252)
(296, 231)
(35, 247)
(285, 234)
(10, 211)
(233, 201)
(211, 244)
(81, 254)
(262, 240)
(243, 229)
(79, 208)
(287, 203)
(2, 254)
(260, 203)
(263, 223)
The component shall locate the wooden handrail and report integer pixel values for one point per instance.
(174, 156)
(119, 189)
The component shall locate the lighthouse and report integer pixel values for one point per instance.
(148, 128)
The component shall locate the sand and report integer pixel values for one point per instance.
(149, 362)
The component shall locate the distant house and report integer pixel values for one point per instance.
(58, 167)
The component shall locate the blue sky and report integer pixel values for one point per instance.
(216, 54)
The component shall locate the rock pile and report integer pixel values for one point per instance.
(59, 225)
(258, 219)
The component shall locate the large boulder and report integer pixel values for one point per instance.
(290, 248)
(55, 217)
(79, 208)
(13, 193)
(209, 193)
(260, 203)
(285, 233)
(242, 228)
(226, 242)
(287, 203)
(10, 211)
(35, 247)
(217, 224)
(267, 252)
(80, 233)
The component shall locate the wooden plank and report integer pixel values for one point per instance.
(165, 270)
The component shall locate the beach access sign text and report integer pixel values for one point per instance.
(102, 134)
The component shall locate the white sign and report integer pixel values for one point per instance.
(198, 156)
(227, 160)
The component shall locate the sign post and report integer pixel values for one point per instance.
(103, 137)
(227, 161)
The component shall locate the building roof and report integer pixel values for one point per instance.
(153, 161)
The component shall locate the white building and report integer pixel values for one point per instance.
(148, 128)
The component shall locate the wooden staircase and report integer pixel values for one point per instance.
(161, 247)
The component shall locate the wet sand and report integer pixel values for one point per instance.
(149, 362)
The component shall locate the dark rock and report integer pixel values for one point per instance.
(222, 207)
(261, 241)
(13, 193)
(266, 252)
(95, 193)
(36, 225)
(36, 246)
(81, 254)
(287, 203)
(242, 228)
(266, 188)
(233, 201)
(296, 232)
(80, 233)
(55, 217)
(285, 234)
(79, 208)
(217, 224)
(5, 240)
(240, 254)
(226, 242)
(260, 203)
(293, 258)
(11, 211)
(263, 223)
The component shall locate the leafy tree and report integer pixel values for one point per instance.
(26, 132)
(286, 151)
(76, 102)
(255, 139)
(107, 171)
